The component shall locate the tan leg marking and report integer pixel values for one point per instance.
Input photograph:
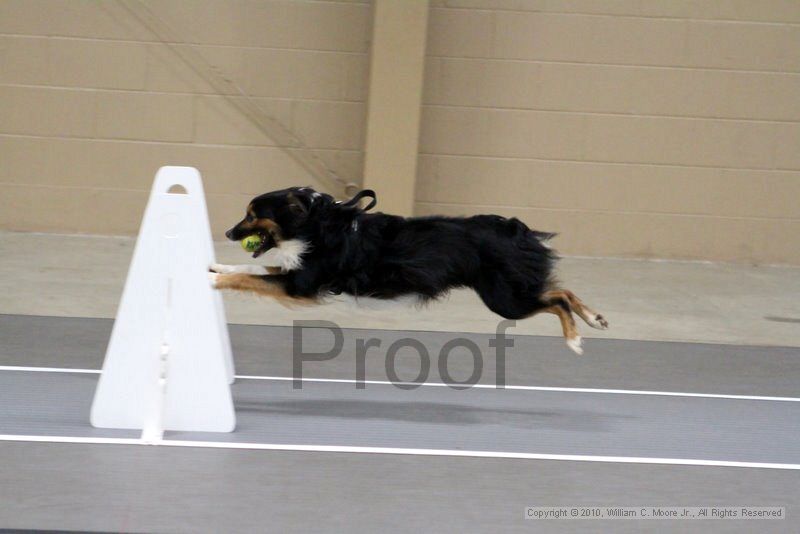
(260, 286)
(568, 327)
(592, 318)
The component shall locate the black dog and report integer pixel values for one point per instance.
(316, 247)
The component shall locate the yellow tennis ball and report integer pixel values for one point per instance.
(251, 243)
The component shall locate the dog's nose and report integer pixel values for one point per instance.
(229, 234)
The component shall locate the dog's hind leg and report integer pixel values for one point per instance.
(562, 302)
(264, 286)
(592, 318)
(501, 298)
(561, 309)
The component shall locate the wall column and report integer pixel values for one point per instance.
(394, 101)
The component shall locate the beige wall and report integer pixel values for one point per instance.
(91, 104)
(641, 128)
(635, 128)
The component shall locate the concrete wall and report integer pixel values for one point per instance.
(91, 104)
(641, 128)
(636, 128)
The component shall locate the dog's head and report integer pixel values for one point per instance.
(278, 216)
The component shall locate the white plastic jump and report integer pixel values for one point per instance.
(169, 364)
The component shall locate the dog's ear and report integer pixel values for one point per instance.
(297, 204)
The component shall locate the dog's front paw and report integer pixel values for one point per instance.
(213, 279)
(219, 268)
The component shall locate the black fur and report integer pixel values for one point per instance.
(387, 256)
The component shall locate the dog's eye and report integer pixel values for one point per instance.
(249, 218)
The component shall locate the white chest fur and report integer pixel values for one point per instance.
(288, 255)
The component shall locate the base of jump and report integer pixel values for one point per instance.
(168, 365)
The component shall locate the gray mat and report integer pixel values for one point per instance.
(164, 489)
(178, 490)
(534, 360)
(593, 424)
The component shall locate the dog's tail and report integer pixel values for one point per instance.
(524, 234)
(544, 237)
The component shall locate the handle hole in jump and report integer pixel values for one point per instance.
(177, 189)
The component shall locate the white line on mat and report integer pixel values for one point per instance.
(441, 384)
(399, 451)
